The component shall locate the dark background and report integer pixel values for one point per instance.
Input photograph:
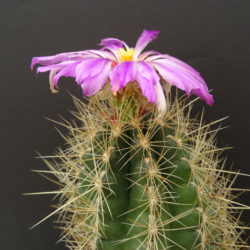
(211, 35)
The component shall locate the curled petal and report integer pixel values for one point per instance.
(113, 41)
(63, 57)
(51, 83)
(56, 71)
(58, 66)
(145, 38)
(46, 60)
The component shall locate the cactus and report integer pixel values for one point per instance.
(129, 180)
(138, 171)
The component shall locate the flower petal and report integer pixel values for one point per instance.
(122, 74)
(51, 82)
(66, 72)
(145, 38)
(146, 54)
(58, 66)
(48, 60)
(204, 95)
(177, 65)
(100, 53)
(113, 41)
(112, 49)
(95, 80)
(183, 78)
(89, 68)
(160, 100)
(147, 79)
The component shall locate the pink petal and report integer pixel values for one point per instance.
(122, 74)
(184, 79)
(101, 53)
(177, 65)
(48, 60)
(66, 72)
(89, 68)
(113, 41)
(160, 100)
(146, 54)
(204, 95)
(147, 79)
(45, 60)
(145, 38)
(95, 81)
(53, 66)
(112, 49)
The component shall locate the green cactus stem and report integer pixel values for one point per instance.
(131, 180)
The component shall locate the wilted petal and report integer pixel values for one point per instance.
(145, 38)
(51, 82)
(122, 74)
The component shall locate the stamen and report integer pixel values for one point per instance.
(125, 55)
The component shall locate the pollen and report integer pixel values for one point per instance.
(125, 55)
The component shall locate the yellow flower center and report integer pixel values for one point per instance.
(125, 55)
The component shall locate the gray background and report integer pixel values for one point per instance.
(211, 35)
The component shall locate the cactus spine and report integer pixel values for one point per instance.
(131, 180)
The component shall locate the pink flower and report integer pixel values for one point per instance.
(118, 64)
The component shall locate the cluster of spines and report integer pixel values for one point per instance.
(149, 157)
